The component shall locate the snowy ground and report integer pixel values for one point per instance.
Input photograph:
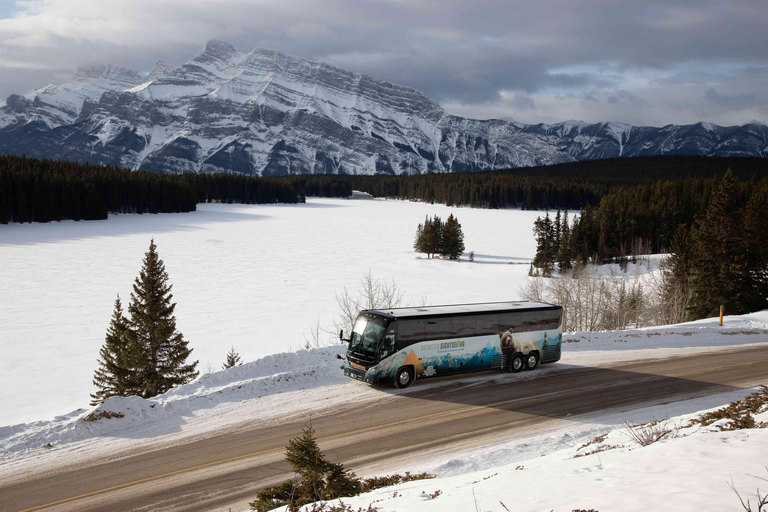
(256, 277)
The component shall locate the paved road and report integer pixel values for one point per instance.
(209, 474)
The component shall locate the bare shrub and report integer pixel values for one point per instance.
(762, 499)
(593, 302)
(372, 294)
(646, 434)
(668, 300)
(595, 440)
(315, 333)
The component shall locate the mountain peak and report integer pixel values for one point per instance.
(161, 68)
(221, 49)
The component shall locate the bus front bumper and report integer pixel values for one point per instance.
(358, 374)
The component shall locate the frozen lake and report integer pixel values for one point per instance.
(256, 277)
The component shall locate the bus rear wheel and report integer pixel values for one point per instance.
(517, 363)
(531, 361)
(404, 377)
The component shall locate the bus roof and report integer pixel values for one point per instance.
(459, 309)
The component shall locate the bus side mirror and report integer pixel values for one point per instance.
(341, 335)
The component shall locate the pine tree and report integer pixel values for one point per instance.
(153, 328)
(439, 232)
(545, 255)
(318, 479)
(308, 461)
(564, 252)
(116, 374)
(453, 239)
(752, 295)
(428, 242)
(233, 359)
(721, 267)
(417, 240)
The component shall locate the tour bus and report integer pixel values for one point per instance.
(403, 344)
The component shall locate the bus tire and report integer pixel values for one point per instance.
(517, 363)
(403, 377)
(531, 361)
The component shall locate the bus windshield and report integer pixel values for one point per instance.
(366, 335)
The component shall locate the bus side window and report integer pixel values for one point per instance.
(533, 321)
(387, 346)
(437, 328)
(510, 322)
(552, 318)
(463, 325)
(487, 323)
(408, 332)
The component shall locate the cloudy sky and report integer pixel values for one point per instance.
(641, 62)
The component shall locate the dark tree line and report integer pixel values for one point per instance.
(634, 220)
(572, 185)
(33, 190)
(483, 190)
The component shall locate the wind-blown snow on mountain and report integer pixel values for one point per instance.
(269, 114)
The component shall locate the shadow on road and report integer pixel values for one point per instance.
(566, 391)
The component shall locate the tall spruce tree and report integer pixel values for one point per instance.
(722, 270)
(453, 239)
(153, 328)
(429, 240)
(417, 240)
(439, 231)
(564, 252)
(117, 372)
(545, 255)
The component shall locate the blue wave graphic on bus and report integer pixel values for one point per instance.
(472, 354)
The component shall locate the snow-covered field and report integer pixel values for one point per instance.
(256, 277)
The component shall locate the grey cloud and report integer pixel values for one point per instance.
(734, 101)
(627, 98)
(456, 52)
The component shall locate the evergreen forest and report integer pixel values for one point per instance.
(34, 190)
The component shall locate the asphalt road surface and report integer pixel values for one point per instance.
(211, 473)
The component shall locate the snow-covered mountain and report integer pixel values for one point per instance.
(268, 113)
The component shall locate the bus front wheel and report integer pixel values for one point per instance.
(517, 363)
(404, 377)
(531, 361)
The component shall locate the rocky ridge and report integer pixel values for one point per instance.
(267, 113)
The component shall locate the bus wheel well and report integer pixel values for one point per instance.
(516, 362)
(532, 359)
(404, 376)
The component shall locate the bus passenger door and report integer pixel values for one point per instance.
(387, 347)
